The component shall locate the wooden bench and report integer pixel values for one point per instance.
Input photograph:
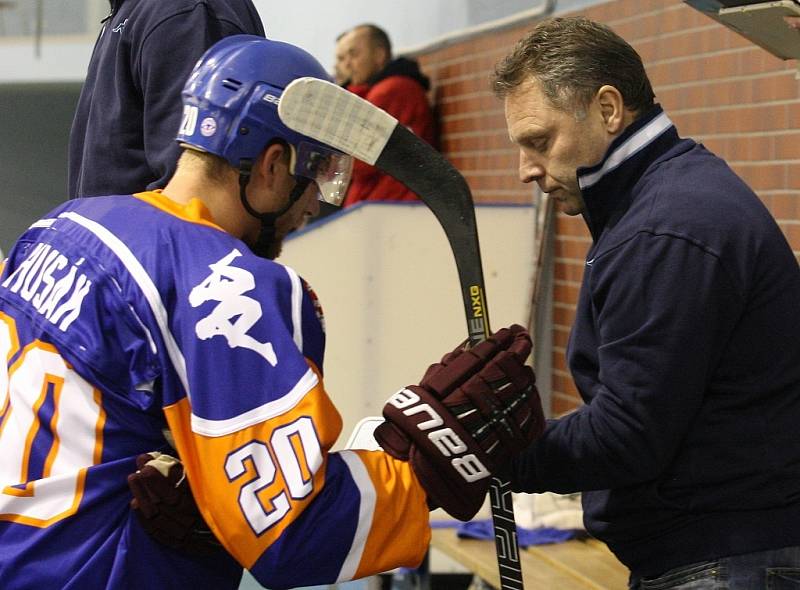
(574, 565)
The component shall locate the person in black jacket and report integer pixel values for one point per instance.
(685, 347)
(123, 134)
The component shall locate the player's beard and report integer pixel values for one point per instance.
(267, 244)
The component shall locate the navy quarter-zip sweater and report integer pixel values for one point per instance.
(122, 139)
(686, 352)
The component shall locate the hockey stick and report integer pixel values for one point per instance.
(331, 114)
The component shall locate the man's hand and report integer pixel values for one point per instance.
(165, 506)
(470, 413)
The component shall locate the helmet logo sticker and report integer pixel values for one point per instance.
(208, 127)
(189, 121)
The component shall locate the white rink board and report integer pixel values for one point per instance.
(387, 282)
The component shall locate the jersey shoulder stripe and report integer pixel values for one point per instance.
(145, 284)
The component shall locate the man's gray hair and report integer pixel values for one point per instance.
(571, 58)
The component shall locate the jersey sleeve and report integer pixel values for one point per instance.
(256, 429)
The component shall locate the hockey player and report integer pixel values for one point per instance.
(116, 332)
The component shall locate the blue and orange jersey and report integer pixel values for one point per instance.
(122, 318)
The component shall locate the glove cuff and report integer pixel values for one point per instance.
(459, 499)
(450, 465)
(392, 440)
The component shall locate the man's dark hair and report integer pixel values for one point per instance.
(571, 58)
(378, 37)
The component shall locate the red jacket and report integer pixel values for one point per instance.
(400, 90)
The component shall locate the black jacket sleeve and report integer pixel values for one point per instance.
(661, 307)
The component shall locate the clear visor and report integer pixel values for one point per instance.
(331, 170)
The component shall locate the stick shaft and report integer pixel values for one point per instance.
(442, 188)
(501, 500)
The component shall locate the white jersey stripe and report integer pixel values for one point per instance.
(257, 415)
(45, 223)
(297, 308)
(365, 511)
(145, 283)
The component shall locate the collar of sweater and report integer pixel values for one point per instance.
(607, 186)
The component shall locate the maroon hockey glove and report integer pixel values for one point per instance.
(470, 413)
(165, 505)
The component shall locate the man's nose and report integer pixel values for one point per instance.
(530, 168)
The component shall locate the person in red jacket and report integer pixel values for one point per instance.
(398, 87)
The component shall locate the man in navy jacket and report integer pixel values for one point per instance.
(123, 135)
(686, 342)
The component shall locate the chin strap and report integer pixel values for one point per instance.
(267, 234)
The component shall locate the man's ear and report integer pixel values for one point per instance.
(612, 108)
(269, 160)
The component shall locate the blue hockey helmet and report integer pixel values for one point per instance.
(230, 109)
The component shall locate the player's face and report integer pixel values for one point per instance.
(296, 217)
(270, 189)
(554, 143)
(362, 59)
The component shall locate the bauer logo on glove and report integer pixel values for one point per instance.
(468, 416)
(444, 439)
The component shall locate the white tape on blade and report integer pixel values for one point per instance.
(334, 116)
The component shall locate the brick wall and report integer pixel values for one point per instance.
(718, 88)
